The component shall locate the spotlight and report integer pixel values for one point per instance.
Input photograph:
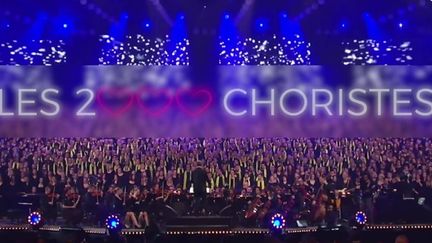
(262, 24)
(65, 26)
(360, 218)
(124, 16)
(35, 219)
(401, 25)
(226, 16)
(112, 222)
(147, 24)
(277, 221)
(343, 24)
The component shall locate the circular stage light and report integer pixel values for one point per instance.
(360, 218)
(112, 222)
(278, 221)
(34, 219)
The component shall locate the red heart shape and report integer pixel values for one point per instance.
(118, 93)
(195, 94)
(158, 93)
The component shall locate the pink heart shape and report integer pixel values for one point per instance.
(115, 92)
(203, 105)
(158, 93)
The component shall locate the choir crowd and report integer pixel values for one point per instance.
(313, 179)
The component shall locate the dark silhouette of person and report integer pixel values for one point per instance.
(199, 180)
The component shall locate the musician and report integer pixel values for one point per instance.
(132, 209)
(368, 190)
(119, 201)
(109, 176)
(48, 204)
(331, 216)
(407, 187)
(91, 202)
(218, 201)
(144, 202)
(107, 198)
(300, 195)
(344, 200)
(24, 184)
(331, 185)
(122, 178)
(132, 180)
(10, 195)
(41, 185)
(199, 180)
(320, 208)
(72, 212)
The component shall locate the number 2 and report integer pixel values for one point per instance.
(89, 94)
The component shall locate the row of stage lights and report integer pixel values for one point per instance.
(398, 227)
(112, 223)
(220, 232)
(261, 24)
(278, 221)
(35, 220)
(277, 225)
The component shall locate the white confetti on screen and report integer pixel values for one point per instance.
(377, 52)
(272, 51)
(138, 50)
(34, 52)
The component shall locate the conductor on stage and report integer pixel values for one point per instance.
(199, 179)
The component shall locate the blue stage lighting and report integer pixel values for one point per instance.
(343, 24)
(112, 222)
(288, 27)
(228, 29)
(401, 25)
(373, 28)
(34, 219)
(147, 24)
(360, 218)
(118, 29)
(262, 24)
(124, 16)
(65, 26)
(278, 221)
